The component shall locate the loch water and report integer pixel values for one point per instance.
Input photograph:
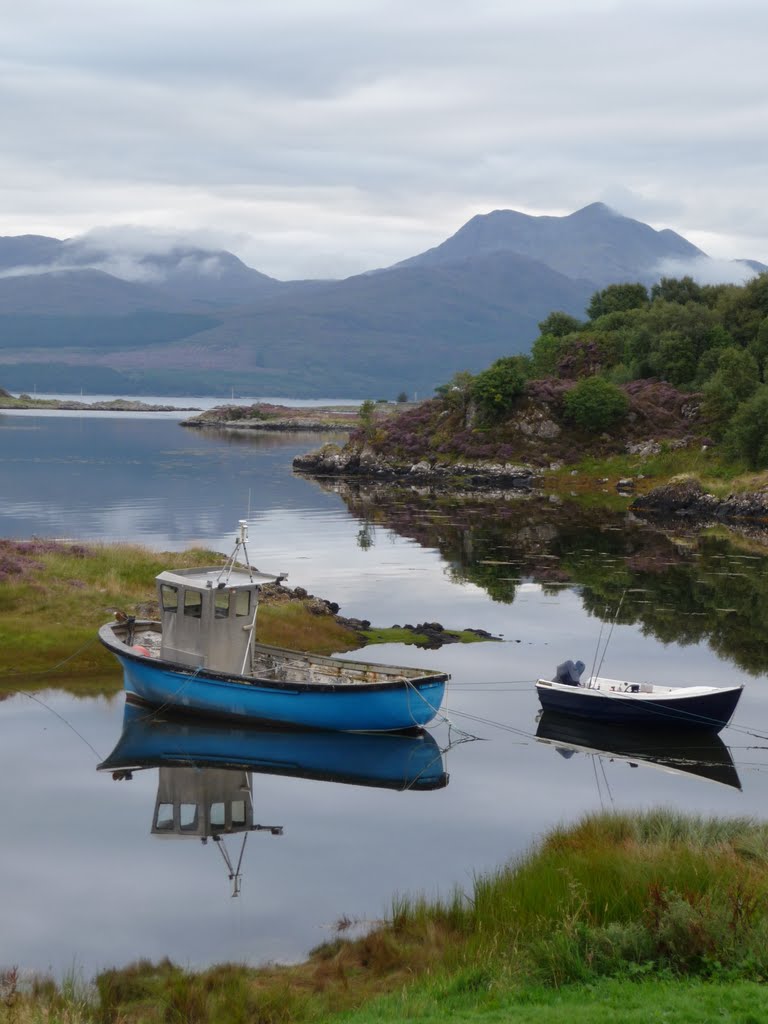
(85, 884)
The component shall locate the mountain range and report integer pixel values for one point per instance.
(85, 315)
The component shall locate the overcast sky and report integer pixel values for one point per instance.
(324, 137)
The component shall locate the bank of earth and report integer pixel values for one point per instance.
(663, 439)
(55, 595)
(620, 918)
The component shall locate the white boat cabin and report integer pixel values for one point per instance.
(208, 616)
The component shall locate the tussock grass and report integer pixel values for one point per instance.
(715, 473)
(291, 624)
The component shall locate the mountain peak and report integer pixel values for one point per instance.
(596, 244)
(593, 211)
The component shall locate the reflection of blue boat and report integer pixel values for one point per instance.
(202, 657)
(698, 752)
(387, 761)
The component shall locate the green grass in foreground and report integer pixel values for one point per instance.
(608, 1001)
(629, 918)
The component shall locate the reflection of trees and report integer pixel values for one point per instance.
(365, 535)
(682, 589)
(717, 595)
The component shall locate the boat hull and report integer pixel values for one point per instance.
(379, 760)
(712, 710)
(389, 706)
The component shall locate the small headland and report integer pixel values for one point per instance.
(619, 917)
(57, 594)
(265, 416)
(443, 441)
(659, 460)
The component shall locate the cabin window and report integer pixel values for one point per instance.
(193, 603)
(164, 818)
(218, 815)
(243, 602)
(221, 604)
(238, 812)
(169, 597)
(188, 817)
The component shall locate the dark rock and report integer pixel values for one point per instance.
(330, 460)
(688, 498)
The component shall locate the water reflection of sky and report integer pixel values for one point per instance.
(81, 879)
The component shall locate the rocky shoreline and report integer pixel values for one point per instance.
(332, 461)
(687, 498)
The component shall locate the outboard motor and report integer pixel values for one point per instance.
(569, 673)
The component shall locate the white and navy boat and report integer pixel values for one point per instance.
(637, 703)
(202, 657)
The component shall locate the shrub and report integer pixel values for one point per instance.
(559, 324)
(595, 404)
(367, 414)
(617, 298)
(747, 434)
(497, 389)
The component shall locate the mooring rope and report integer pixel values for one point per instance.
(61, 718)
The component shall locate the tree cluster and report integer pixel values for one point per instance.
(711, 339)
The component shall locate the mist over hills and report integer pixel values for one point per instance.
(96, 314)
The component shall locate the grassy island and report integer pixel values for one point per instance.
(55, 595)
(621, 918)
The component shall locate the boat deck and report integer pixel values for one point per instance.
(605, 685)
(281, 665)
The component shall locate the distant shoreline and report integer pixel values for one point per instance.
(112, 405)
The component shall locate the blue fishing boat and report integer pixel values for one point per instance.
(202, 657)
(399, 761)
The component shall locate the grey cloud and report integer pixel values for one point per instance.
(707, 271)
(368, 126)
(131, 253)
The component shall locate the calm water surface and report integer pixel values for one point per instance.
(82, 880)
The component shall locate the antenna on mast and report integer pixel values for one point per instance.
(241, 541)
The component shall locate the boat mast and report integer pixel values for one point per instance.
(241, 541)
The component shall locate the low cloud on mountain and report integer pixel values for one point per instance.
(707, 271)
